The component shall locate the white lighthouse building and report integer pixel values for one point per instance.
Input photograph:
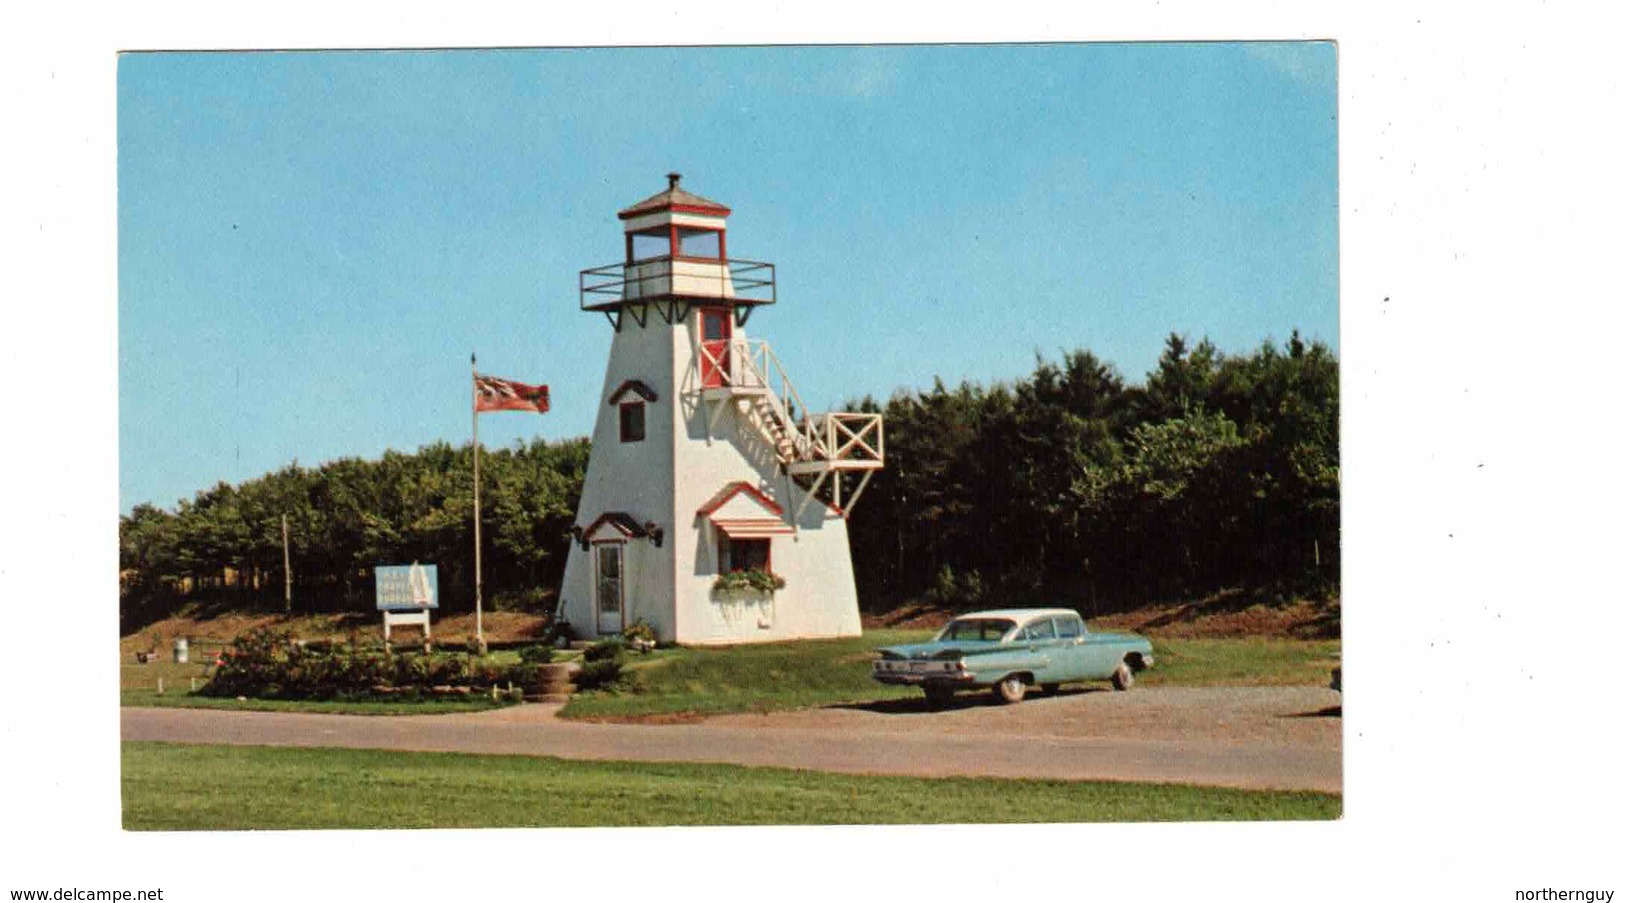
(715, 502)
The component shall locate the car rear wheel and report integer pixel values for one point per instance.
(1011, 689)
(1123, 677)
(938, 697)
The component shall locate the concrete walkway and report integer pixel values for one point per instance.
(970, 741)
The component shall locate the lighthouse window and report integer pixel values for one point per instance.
(699, 243)
(742, 554)
(649, 245)
(632, 421)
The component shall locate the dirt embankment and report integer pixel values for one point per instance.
(1220, 615)
(1226, 614)
(499, 627)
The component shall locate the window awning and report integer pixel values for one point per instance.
(753, 527)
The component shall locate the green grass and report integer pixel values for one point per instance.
(132, 676)
(778, 676)
(765, 677)
(828, 672)
(1250, 662)
(175, 787)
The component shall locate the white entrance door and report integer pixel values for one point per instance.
(610, 593)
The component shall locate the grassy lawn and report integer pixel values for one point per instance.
(773, 677)
(175, 787)
(1251, 662)
(825, 672)
(764, 677)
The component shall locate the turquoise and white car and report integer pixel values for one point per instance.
(1011, 650)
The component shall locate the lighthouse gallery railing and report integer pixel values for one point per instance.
(740, 281)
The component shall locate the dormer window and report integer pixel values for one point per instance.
(632, 421)
(630, 397)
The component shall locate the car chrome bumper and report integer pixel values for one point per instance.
(910, 679)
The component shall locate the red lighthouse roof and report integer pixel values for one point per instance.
(675, 198)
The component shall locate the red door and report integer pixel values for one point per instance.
(716, 329)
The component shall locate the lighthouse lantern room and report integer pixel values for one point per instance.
(715, 503)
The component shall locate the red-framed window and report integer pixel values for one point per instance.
(672, 240)
(648, 245)
(699, 244)
(743, 554)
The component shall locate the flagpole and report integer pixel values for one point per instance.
(479, 602)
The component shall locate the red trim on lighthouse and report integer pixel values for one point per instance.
(636, 386)
(698, 209)
(733, 489)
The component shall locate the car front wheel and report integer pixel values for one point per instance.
(1011, 689)
(1123, 677)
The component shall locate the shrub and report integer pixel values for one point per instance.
(955, 590)
(536, 655)
(604, 650)
(264, 663)
(640, 631)
(253, 662)
(523, 675)
(600, 674)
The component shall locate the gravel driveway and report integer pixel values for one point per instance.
(1286, 738)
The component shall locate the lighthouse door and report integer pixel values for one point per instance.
(716, 329)
(609, 586)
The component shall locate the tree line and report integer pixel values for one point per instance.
(1068, 485)
(224, 547)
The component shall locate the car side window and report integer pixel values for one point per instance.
(1069, 628)
(1042, 629)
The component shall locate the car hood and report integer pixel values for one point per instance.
(938, 649)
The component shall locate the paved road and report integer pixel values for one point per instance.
(1278, 738)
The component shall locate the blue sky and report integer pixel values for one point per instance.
(310, 244)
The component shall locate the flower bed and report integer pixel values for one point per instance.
(268, 664)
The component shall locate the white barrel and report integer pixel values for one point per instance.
(180, 650)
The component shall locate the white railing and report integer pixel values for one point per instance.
(848, 436)
(837, 437)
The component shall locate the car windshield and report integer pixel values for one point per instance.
(976, 629)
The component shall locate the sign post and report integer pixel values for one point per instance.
(406, 594)
(479, 605)
(287, 570)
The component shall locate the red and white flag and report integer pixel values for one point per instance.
(493, 393)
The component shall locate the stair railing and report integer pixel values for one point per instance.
(836, 436)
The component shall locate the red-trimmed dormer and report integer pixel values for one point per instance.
(741, 511)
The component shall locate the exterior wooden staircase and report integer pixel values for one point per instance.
(817, 450)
